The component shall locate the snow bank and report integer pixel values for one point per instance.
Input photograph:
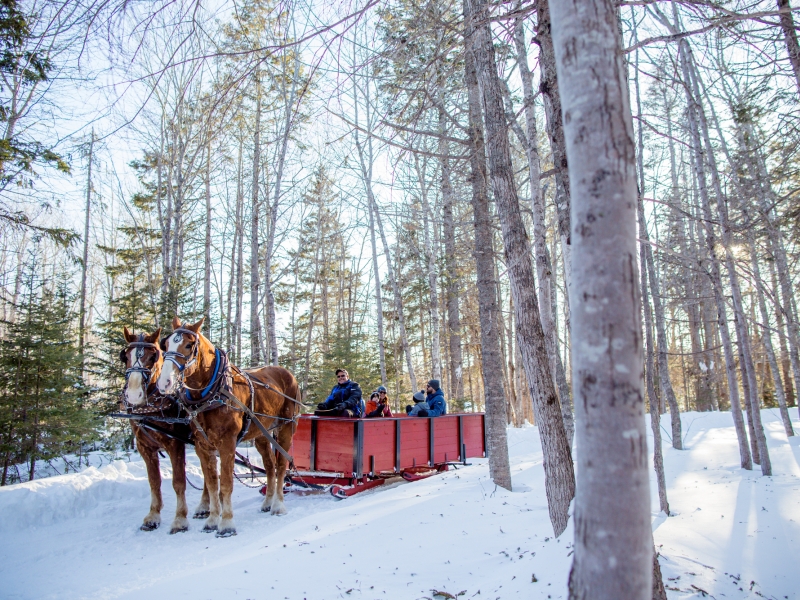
(53, 499)
(734, 533)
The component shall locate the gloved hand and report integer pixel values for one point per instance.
(321, 406)
(422, 413)
(340, 406)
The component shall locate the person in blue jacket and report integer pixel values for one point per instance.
(345, 399)
(435, 400)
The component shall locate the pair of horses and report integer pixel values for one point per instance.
(184, 374)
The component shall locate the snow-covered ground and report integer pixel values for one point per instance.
(735, 534)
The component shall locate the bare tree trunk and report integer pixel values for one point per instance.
(255, 322)
(237, 324)
(207, 245)
(785, 361)
(398, 298)
(613, 537)
(366, 163)
(767, 335)
(648, 271)
(748, 372)
(543, 265)
(491, 361)
(85, 265)
(790, 36)
(716, 279)
(555, 126)
(661, 334)
(378, 297)
(451, 279)
(557, 458)
(428, 222)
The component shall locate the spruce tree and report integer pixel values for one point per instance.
(44, 411)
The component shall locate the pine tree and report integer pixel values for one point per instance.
(44, 411)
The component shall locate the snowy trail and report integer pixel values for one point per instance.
(76, 536)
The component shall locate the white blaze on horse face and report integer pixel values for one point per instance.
(134, 392)
(168, 380)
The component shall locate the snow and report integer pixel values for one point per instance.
(735, 534)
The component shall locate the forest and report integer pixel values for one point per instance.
(411, 190)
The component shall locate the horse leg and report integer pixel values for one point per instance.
(202, 510)
(150, 456)
(227, 455)
(268, 457)
(177, 454)
(285, 434)
(208, 461)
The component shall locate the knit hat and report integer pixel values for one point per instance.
(419, 396)
(434, 383)
(373, 395)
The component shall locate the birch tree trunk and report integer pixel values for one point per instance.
(491, 360)
(255, 284)
(558, 467)
(613, 538)
(544, 270)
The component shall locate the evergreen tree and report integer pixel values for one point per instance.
(43, 402)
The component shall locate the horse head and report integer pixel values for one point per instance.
(182, 348)
(142, 358)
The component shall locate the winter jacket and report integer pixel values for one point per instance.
(436, 403)
(372, 408)
(349, 394)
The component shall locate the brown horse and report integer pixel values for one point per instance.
(199, 375)
(143, 361)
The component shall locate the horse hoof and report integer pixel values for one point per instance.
(227, 532)
(179, 529)
(149, 526)
(265, 509)
(209, 528)
(201, 514)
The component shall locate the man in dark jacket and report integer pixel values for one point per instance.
(344, 400)
(435, 400)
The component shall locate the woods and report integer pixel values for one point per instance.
(572, 213)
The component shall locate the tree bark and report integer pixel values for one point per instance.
(748, 371)
(429, 222)
(613, 538)
(698, 152)
(790, 37)
(557, 458)
(491, 360)
(544, 270)
(207, 245)
(451, 278)
(85, 265)
(255, 283)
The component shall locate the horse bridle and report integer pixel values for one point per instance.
(138, 367)
(173, 355)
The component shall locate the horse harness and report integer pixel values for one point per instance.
(139, 346)
(219, 392)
